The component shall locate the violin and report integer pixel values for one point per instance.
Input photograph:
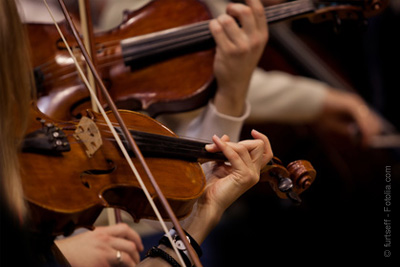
(167, 39)
(72, 170)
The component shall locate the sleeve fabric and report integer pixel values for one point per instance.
(203, 123)
(34, 11)
(216, 7)
(280, 97)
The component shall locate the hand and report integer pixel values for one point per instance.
(99, 247)
(225, 185)
(238, 51)
(228, 182)
(347, 114)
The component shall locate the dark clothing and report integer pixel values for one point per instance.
(21, 247)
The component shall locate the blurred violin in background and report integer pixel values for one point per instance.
(178, 84)
(159, 59)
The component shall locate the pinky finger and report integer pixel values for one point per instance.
(268, 154)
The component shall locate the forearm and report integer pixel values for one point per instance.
(231, 104)
(202, 221)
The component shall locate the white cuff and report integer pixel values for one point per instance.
(205, 122)
(219, 124)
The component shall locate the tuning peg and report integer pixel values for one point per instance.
(285, 184)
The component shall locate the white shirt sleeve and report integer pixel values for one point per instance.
(35, 11)
(203, 123)
(216, 7)
(280, 97)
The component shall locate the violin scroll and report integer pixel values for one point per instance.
(289, 182)
(302, 174)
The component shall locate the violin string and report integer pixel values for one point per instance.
(153, 138)
(187, 147)
(164, 38)
(124, 151)
(195, 33)
(205, 141)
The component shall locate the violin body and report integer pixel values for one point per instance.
(175, 83)
(69, 189)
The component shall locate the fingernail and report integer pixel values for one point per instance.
(216, 136)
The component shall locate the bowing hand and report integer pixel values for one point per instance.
(115, 245)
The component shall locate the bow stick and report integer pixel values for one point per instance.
(114, 215)
(87, 33)
(128, 138)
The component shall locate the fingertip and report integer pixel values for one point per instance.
(215, 137)
(225, 20)
(256, 134)
(219, 143)
(215, 27)
(213, 22)
(209, 147)
(267, 145)
(225, 138)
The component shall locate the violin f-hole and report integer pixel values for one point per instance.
(83, 175)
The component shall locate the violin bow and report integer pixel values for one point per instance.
(88, 36)
(114, 215)
(128, 138)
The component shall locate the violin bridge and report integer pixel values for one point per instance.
(89, 135)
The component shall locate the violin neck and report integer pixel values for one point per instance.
(161, 146)
(140, 49)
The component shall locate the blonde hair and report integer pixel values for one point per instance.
(15, 96)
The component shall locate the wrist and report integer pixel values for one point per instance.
(229, 103)
(201, 222)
